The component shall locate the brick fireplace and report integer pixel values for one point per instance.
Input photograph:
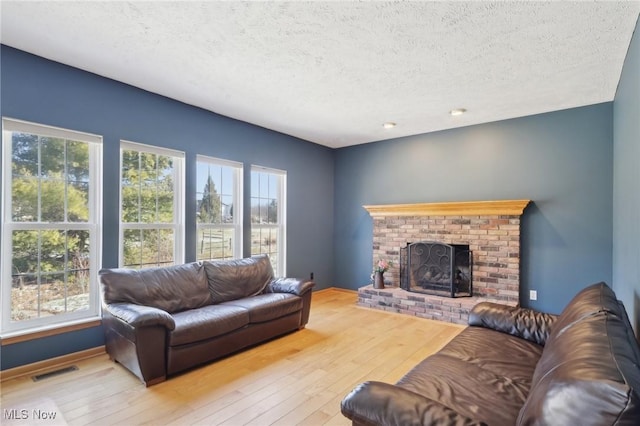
(490, 228)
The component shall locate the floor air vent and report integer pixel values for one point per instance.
(54, 373)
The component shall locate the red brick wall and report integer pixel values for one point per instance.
(494, 240)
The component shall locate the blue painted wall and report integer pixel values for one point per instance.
(42, 91)
(562, 161)
(626, 184)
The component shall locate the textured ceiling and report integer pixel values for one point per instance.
(333, 72)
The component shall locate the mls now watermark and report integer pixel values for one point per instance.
(23, 414)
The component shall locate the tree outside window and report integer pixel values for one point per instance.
(151, 190)
(218, 209)
(50, 229)
(268, 224)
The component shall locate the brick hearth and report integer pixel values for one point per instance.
(490, 228)
(395, 299)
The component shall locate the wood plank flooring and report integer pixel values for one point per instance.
(298, 379)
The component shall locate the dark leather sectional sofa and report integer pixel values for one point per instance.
(162, 321)
(515, 366)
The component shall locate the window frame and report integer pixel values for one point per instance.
(236, 225)
(177, 225)
(93, 225)
(281, 225)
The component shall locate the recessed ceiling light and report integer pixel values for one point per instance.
(457, 111)
(389, 125)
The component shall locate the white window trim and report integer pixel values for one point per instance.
(237, 201)
(281, 226)
(94, 225)
(179, 195)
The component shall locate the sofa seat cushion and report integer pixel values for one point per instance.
(207, 322)
(479, 370)
(268, 306)
(493, 351)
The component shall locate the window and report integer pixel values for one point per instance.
(51, 226)
(218, 209)
(268, 218)
(151, 206)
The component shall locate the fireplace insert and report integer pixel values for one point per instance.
(435, 268)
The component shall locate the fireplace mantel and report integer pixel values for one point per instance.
(463, 208)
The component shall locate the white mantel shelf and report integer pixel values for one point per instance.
(463, 208)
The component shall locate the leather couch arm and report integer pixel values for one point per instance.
(520, 322)
(289, 285)
(377, 403)
(139, 315)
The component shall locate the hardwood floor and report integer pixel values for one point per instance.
(296, 379)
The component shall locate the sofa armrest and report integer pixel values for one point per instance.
(520, 322)
(289, 285)
(377, 403)
(139, 315)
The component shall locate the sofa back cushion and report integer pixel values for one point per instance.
(588, 372)
(235, 279)
(172, 288)
(590, 301)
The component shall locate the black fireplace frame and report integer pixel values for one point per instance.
(446, 271)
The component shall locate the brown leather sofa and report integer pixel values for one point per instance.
(516, 366)
(161, 321)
